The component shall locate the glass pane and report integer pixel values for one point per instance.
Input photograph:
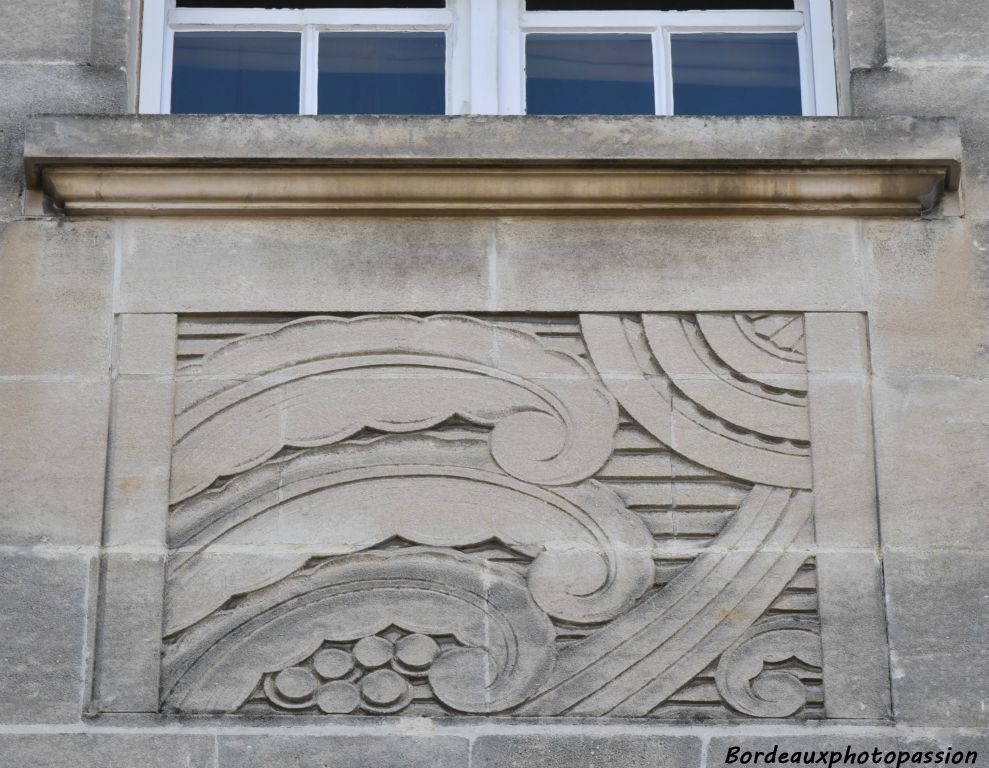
(251, 73)
(589, 75)
(382, 73)
(657, 5)
(309, 4)
(736, 74)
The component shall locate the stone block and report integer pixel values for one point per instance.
(55, 283)
(117, 750)
(932, 450)
(44, 601)
(938, 623)
(50, 89)
(343, 752)
(954, 32)
(146, 345)
(113, 22)
(853, 635)
(54, 31)
(129, 641)
(930, 289)
(841, 430)
(959, 89)
(336, 264)
(52, 459)
(137, 476)
(577, 751)
(866, 30)
(677, 264)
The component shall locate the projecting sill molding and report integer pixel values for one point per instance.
(169, 165)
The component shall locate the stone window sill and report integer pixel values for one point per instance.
(232, 165)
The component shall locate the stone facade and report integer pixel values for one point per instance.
(492, 441)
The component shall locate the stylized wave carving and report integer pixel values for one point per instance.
(750, 346)
(680, 349)
(639, 660)
(741, 676)
(505, 642)
(593, 558)
(320, 380)
(633, 371)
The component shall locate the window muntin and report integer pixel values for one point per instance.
(486, 44)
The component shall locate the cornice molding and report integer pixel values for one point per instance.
(146, 166)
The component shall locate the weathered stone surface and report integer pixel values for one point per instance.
(272, 139)
(52, 460)
(959, 89)
(955, 32)
(343, 752)
(676, 264)
(55, 283)
(932, 450)
(279, 265)
(866, 30)
(44, 602)
(577, 751)
(938, 622)
(841, 430)
(930, 291)
(49, 88)
(58, 30)
(113, 23)
(129, 640)
(118, 750)
(853, 630)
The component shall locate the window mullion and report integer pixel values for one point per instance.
(484, 49)
(511, 52)
(661, 66)
(309, 81)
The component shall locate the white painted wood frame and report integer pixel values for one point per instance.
(486, 44)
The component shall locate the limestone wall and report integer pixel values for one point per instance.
(97, 314)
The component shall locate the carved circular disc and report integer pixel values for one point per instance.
(295, 683)
(384, 687)
(373, 652)
(338, 698)
(416, 651)
(333, 663)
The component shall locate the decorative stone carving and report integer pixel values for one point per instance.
(741, 676)
(537, 516)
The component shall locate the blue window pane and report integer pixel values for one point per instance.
(382, 73)
(736, 74)
(589, 75)
(251, 73)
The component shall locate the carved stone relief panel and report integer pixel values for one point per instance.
(602, 515)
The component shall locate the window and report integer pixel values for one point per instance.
(540, 57)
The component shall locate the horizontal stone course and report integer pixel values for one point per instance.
(119, 750)
(367, 751)
(578, 751)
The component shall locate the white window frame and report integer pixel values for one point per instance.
(485, 47)
(162, 20)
